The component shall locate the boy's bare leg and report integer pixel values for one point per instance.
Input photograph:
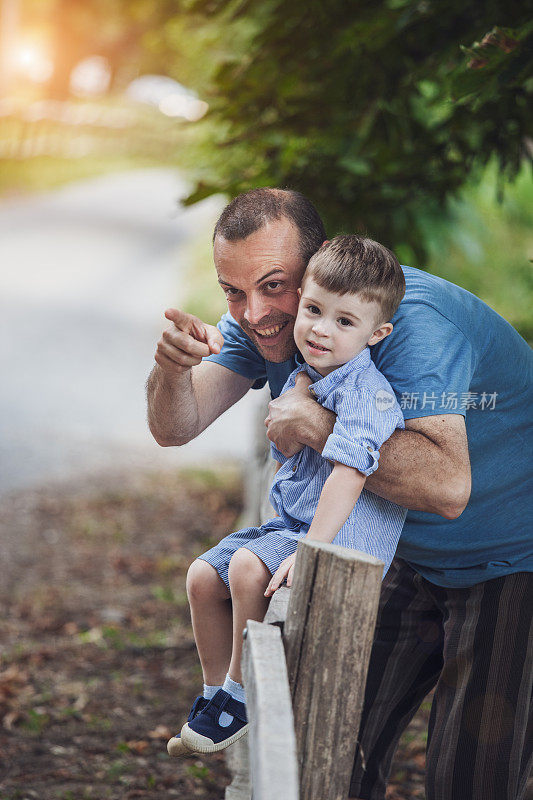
(211, 615)
(248, 578)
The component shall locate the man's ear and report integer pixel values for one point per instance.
(381, 333)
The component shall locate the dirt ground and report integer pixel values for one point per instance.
(98, 665)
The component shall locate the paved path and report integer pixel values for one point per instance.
(85, 274)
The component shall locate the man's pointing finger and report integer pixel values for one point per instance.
(177, 317)
(197, 330)
(208, 334)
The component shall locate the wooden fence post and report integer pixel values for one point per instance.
(272, 744)
(328, 636)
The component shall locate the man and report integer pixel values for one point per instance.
(455, 605)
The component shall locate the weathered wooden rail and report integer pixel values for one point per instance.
(273, 761)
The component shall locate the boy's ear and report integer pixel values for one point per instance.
(381, 333)
(299, 292)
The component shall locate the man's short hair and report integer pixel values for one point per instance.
(252, 210)
(356, 265)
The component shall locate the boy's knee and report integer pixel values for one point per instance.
(203, 583)
(245, 569)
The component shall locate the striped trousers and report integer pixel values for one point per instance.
(475, 646)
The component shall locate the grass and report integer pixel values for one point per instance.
(36, 721)
(43, 148)
(48, 172)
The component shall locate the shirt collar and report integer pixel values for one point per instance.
(322, 386)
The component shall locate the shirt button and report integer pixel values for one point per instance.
(369, 448)
(312, 392)
(295, 468)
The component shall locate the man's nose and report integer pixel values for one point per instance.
(256, 309)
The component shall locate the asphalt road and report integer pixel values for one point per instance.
(85, 275)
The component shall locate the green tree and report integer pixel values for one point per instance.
(375, 110)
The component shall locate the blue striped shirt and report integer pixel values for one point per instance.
(367, 414)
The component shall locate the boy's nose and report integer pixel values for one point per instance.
(319, 328)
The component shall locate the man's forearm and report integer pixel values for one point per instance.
(417, 473)
(172, 407)
(423, 472)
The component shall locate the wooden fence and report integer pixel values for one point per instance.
(305, 688)
(304, 671)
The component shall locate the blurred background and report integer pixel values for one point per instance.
(125, 126)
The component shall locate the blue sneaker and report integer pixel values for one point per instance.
(205, 734)
(175, 746)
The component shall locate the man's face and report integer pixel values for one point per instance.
(260, 276)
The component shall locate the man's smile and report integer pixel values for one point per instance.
(271, 332)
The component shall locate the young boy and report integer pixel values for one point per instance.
(350, 291)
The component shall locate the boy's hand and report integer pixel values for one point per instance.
(302, 382)
(285, 570)
(185, 342)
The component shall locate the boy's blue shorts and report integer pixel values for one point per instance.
(272, 542)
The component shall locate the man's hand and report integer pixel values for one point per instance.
(285, 570)
(185, 342)
(295, 419)
(285, 416)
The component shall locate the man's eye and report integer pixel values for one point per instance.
(271, 285)
(313, 309)
(230, 291)
(345, 321)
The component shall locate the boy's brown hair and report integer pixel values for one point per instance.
(353, 264)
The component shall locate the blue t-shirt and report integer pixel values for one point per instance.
(449, 353)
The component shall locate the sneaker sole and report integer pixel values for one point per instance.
(202, 744)
(176, 748)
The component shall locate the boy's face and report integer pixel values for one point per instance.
(331, 329)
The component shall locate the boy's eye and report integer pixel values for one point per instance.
(313, 309)
(345, 321)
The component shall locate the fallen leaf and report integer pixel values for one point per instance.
(160, 732)
(138, 746)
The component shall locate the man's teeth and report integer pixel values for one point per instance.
(269, 331)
